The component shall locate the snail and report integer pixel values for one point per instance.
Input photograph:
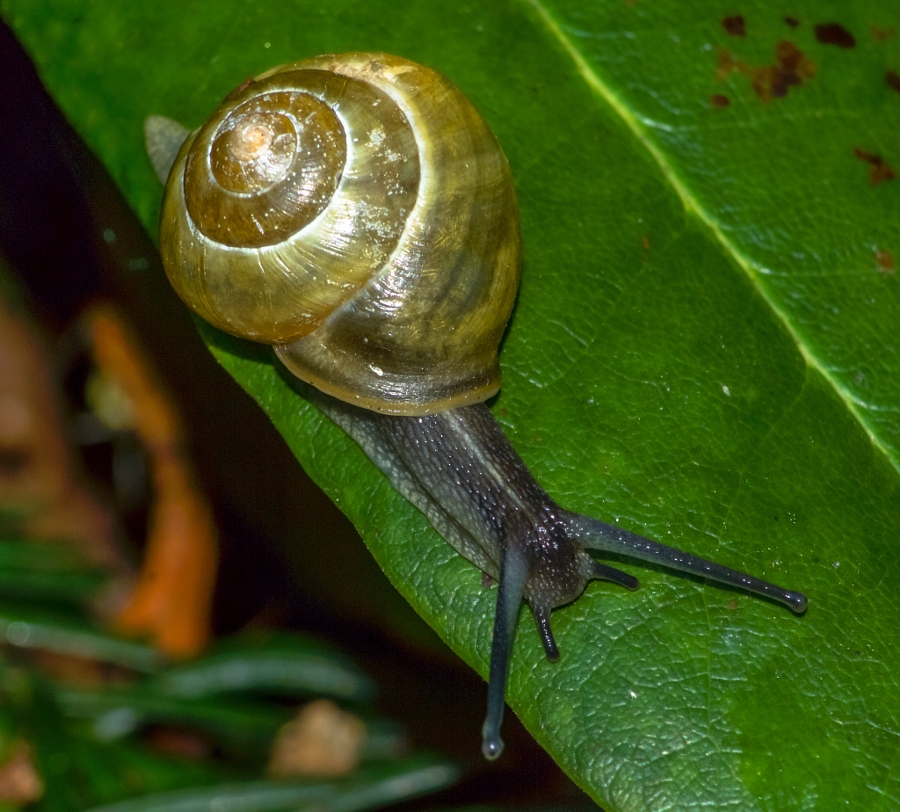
(356, 213)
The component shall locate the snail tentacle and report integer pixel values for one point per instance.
(542, 618)
(602, 572)
(514, 574)
(597, 535)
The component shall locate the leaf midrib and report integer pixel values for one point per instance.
(692, 206)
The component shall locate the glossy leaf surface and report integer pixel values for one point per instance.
(706, 350)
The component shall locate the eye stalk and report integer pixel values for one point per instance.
(356, 213)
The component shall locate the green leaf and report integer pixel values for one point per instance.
(57, 758)
(123, 769)
(47, 570)
(369, 788)
(78, 772)
(117, 712)
(66, 633)
(244, 726)
(286, 664)
(706, 350)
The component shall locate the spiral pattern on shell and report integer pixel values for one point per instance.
(356, 212)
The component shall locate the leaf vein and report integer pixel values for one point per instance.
(634, 122)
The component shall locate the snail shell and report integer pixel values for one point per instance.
(357, 213)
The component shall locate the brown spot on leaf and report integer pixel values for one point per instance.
(771, 81)
(732, 604)
(791, 59)
(793, 66)
(882, 34)
(645, 242)
(793, 22)
(892, 79)
(885, 261)
(835, 34)
(727, 63)
(881, 170)
(734, 25)
(719, 100)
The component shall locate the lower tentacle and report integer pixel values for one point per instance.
(542, 618)
(602, 572)
(513, 575)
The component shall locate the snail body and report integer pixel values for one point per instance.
(356, 212)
